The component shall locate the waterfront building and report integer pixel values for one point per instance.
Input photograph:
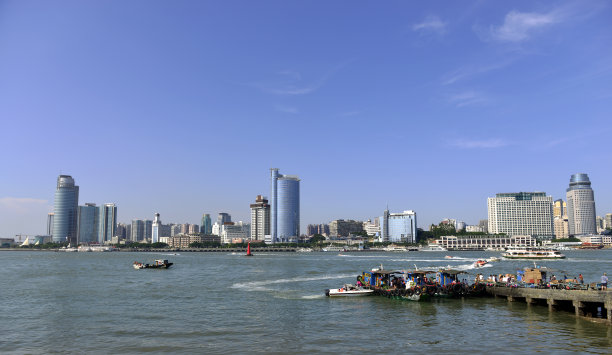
(559, 208)
(473, 229)
(482, 242)
(581, 206)
(148, 229)
(184, 241)
(193, 229)
(372, 228)
(260, 218)
(322, 229)
(284, 207)
(561, 227)
(50, 223)
(107, 223)
(460, 226)
(65, 210)
(599, 224)
(398, 227)
(521, 213)
(216, 228)
(206, 224)
(223, 218)
(608, 221)
(156, 229)
(342, 228)
(175, 229)
(87, 226)
(138, 230)
(484, 225)
(230, 231)
(122, 231)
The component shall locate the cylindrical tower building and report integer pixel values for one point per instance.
(65, 210)
(581, 206)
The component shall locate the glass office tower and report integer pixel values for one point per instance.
(206, 225)
(107, 223)
(87, 226)
(65, 210)
(284, 207)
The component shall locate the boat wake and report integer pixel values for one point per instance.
(364, 256)
(261, 285)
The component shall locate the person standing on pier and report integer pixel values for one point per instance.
(604, 282)
(581, 279)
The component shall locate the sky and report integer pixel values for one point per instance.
(182, 107)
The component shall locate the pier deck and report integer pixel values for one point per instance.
(588, 303)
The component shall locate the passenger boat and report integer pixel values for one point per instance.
(590, 246)
(348, 290)
(157, 264)
(433, 247)
(532, 253)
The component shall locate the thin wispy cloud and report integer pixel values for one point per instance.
(519, 26)
(480, 144)
(430, 24)
(471, 71)
(286, 109)
(291, 82)
(467, 98)
(20, 205)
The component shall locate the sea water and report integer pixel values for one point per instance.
(223, 303)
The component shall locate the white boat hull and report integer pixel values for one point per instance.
(340, 292)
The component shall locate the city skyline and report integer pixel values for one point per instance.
(430, 108)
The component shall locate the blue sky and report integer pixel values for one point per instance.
(181, 107)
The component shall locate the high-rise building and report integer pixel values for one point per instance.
(342, 228)
(599, 224)
(87, 226)
(372, 228)
(65, 210)
(50, 223)
(484, 225)
(107, 223)
(521, 213)
(561, 227)
(138, 230)
(223, 218)
(121, 231)
(559, 208)
(148, 229)
(156, 229)
(206, 226)
(581, 206)
(260, 218)
(608, 221)
(193, 229)
(284, 207)
(398, 227)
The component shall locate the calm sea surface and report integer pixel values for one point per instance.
(219, 303)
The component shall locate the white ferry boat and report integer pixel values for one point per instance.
(532, 253)
(433, 247)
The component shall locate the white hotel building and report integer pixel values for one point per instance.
(521, 213)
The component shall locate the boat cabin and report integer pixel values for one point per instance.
(380, 278)
(448, 276)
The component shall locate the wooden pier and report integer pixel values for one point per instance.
(588, 303)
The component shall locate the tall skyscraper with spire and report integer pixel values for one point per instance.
(65, 210)
(284, 207)
(156, 229)
(581, 206)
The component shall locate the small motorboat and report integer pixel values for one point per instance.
(348, 291)
(448, 257)
(492, 259)
(157, 264)
(480, 263)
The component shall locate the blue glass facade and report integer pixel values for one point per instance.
(88, 223)
(107, 223)
(399, 227)
(65, 210)
(284, 207)
(206, 225)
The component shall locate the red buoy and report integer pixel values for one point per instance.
(249, 250)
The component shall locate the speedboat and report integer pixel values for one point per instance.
(448, 257)
(480, 263)
(157, 264)
(493, 258)
(348, 290)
